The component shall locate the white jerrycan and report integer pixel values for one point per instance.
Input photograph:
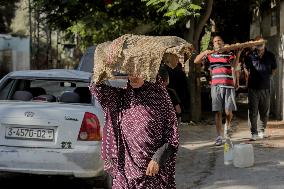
(228, 152)
(228, 148)
(243, 155)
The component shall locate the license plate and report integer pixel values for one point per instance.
(29, 133)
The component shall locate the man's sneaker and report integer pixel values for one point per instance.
(254, 137)
(218, 141)
(261, 135)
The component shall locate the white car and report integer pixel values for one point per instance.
(50, 124)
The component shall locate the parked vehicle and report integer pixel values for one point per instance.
(87, 61)
(50, 124)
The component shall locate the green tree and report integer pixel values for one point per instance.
(229, 18)
(193, 16)
(175, 10)
(7, 13)
(95, 21)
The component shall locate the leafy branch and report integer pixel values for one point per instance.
(176, 10)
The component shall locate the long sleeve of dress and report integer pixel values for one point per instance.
(170, 133)
(104, 94)
(107, 96)
(163, 153)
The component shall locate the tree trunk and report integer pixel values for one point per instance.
(201, 23)
(193, 36)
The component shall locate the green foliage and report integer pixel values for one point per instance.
(205, 40)
(175, 10)
(96, 21)
(92, 31)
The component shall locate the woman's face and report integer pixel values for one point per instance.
(135, 81)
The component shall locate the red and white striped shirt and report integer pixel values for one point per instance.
(221, 69)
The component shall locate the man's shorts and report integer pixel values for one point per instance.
(223, 98)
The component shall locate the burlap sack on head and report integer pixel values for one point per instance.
(138, 54)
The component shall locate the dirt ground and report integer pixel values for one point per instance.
(200, 163)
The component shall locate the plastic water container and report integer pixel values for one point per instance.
(228, 152)
(243, 155)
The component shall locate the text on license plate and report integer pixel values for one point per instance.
(29, 133)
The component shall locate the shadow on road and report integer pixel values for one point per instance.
(16, 181)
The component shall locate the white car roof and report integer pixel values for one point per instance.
(53, 74)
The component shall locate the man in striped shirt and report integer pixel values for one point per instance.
(222, 66)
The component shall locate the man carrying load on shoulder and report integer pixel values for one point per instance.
(222, 66)
(260, 65)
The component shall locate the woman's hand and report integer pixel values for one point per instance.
(153, 168)
(101, 78)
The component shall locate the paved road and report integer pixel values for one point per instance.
(199, 163)
(267, 172)
(197, 154)
(195, 162)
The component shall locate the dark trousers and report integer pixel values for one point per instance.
(259, 103)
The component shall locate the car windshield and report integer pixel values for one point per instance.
(45, 90)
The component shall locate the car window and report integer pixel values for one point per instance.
(40, 89)
(5, 89)
(56, 88)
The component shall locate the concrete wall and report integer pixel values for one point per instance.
(273, 44)
(262, 25)
(281, 72)
(14, 53)
(265, 24)
(254, 29)
(15, 43)
(281, 59)
(282, 17)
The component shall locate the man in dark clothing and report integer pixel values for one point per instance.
(176, 102)
(178, 82)
(163, 73)
(260, 65)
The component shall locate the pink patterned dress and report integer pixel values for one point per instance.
(137, 123)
